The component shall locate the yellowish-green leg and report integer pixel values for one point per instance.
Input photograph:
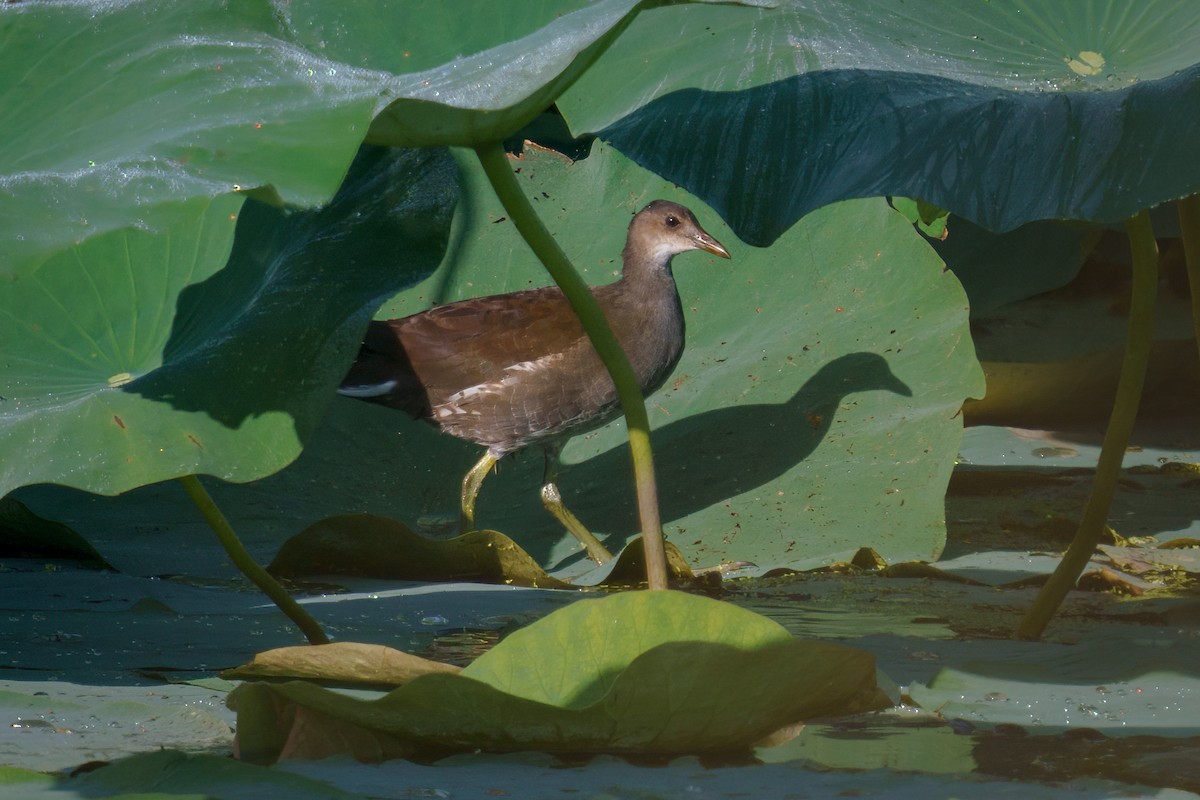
(470, 490)
(553, 502)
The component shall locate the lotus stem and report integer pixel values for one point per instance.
(1189, 226)
(495, 165)
(246, 563)
(1116, 437)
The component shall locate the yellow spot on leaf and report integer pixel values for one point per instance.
(1087, 62)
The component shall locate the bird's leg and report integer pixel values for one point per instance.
(470, 490)
(552, 500)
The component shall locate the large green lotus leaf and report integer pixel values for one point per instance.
(465, 76)
(133, 129)
(518, 62)
(575, 671)
(646, 672)
(117, 113)
(1002, 112)
(815, 409)
(133, 356)
(113, 110)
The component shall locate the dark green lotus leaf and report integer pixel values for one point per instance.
(140, 355)
(24, 534)
(1001, 112)
(448, 75)
(1000, 268)
(814, 412)
(587, 678)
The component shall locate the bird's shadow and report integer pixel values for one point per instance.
(714, 455)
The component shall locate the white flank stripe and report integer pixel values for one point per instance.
(369, 390)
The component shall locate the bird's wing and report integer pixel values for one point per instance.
(479, 338)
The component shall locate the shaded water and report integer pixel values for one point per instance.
(1111, 698)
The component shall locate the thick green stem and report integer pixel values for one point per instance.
(1116, 437)
(1189, 226)
(516, 204)
(247, 565)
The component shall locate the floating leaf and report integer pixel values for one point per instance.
(378, 547)
(1092, 686)
(1043, 394)
(646, 672)
(339, 662)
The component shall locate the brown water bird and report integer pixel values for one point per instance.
(511, 370)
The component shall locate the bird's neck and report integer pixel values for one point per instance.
(648, 271)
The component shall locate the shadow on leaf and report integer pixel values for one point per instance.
(712, 456)
(275, 329)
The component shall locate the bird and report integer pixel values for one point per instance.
(511, 370)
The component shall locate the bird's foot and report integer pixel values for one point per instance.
(552, 500)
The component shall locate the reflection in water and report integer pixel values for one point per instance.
(844, 623)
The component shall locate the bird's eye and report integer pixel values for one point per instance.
(672, 222)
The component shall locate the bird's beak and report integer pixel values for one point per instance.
(710, 245)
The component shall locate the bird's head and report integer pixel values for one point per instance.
(664, 229)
